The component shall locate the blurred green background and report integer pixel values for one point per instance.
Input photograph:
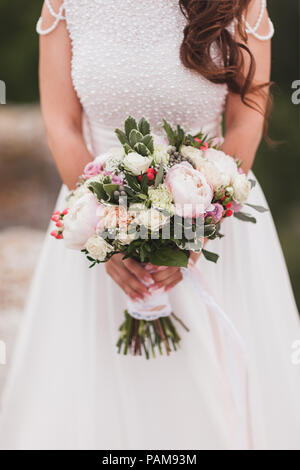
(277, 168)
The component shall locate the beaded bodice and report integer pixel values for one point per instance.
(126, 61)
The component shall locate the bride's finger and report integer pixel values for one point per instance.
(162, 276)
(138, 270)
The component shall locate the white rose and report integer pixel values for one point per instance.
(98, 248)
(160, 154)
(81, 221)
(192, 153)
(126, 238)
(151, 219)
(241, 188)
(136, 163)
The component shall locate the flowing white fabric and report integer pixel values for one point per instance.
(68, 388)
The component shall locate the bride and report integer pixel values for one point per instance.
(189, 61)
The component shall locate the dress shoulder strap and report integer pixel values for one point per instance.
(254, 29)
(58, 16)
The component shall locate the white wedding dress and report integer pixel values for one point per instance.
(68, 388)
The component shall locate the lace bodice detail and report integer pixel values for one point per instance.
(126, 61)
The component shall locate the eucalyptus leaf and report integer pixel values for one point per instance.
(210, 256)
(245, 217)
(252, 182)
(260, 209)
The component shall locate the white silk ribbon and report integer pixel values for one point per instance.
(232, 356)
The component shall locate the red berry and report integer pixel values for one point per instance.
(65, 211)
(55, 218)
(140, 178)
(59, 236)
(56, 213)
(54, 233)
(229, 213)
(150, 170)
(228, 205)
(223, 198)
(150, 176)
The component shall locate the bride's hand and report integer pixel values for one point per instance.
(166, 277)
(126, 273)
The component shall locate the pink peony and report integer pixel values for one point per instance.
(191, 192)
(81, 221)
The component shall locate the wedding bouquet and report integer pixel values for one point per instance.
(153, 202)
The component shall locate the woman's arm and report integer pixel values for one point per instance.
(244, 125)
(60, 105)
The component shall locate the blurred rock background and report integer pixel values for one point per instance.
(29, 182)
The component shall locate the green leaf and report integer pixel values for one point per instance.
(144, 184)
(135, 137)
(127, 148)
(210, 256)
(160, 175)
(130, 124)
(179, 137)
(141, 149)
(121, 136)
(98, 190)
(144, 126)
(169, 132)
(253, 182)
(148, 141)
(168, 256)
(245, 217)
(110, 189)
(257, 208)
(209, 230)
(131, 180)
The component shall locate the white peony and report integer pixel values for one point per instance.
(98, 248)
(81, 221)
(161, 198)
(160, 154)
(220, 169)
(241, 188)
(192, 153)
(152, 219)
(136, 163)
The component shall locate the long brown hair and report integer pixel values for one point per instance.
(207, 23)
